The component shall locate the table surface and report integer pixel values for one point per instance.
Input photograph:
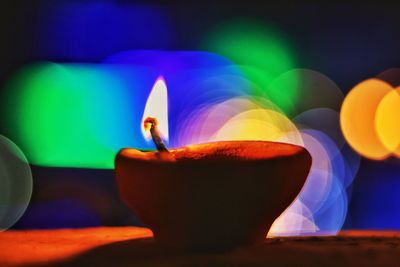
(132, 246)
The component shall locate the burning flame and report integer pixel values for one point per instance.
(157, 108)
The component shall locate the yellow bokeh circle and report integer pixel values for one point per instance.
(387, 121)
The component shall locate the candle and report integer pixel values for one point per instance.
(214, 196)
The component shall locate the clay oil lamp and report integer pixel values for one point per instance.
(213, 196)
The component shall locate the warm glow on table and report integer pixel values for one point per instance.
(124, 246)
(41, 246)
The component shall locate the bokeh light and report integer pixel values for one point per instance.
(255, 118)
(85, 113)
(312, 90)
(53, 108)
(369, 119)
(319, 179)
(357, 118)
(260, 51)
(246, 84)
(81, 115)
(256, 124)
(327, 176)
(296, 220)
(194, 79)
(15, 183)
(391, 76)
(325, 120)
(388, 121)
(331, 216)
(240, 118)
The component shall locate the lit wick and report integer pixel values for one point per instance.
(155, 133)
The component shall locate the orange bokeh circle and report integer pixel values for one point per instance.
(358, 118)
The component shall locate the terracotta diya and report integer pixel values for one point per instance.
(214, 196)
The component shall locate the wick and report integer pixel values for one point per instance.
(155, 134)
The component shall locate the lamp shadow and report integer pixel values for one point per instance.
(286, 251)
(147, 252)
(135, 252)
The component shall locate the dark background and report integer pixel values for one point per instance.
(349, 42)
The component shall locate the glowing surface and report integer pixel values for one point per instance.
(131, 246)
(357, 118)
(157, 107)
(45, 246)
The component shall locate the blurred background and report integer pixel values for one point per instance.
(75, 76)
